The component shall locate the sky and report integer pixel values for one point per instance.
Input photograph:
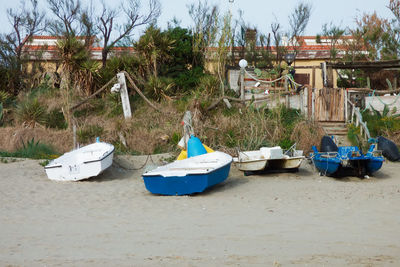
(258, 13)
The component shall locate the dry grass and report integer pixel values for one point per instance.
(307, 134)
(11, 138)
(149, 131)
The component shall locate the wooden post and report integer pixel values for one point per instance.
(368, 82)
(126, 106)
(306, 101)
(330, 77)
(313, 77)
(287, 96)
(313, 105)
(74, 135)
(301, 95)
(357, 119)
(345, 106)
(242, 84)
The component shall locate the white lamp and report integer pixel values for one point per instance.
(243, 63)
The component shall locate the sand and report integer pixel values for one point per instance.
(272, 220)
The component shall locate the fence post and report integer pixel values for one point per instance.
(345, 106)
(287, 95)
(242, 83)
(126, 106)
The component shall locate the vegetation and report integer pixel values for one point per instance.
(382, 123)
(31, 149)
(171, 68)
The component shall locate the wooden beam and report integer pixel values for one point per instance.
(365, 64)
(377, 92)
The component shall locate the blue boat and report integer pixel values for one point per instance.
(189, 176)
(347, 158)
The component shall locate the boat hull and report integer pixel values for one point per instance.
(189, 176)
(374, 165)
(348, 160)
(257, 161)
(327, 166)
(79, 168)
(190, 184)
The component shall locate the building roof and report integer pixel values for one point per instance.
(44, 48)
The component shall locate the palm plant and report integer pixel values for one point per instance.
(154, 47)
(31, 112)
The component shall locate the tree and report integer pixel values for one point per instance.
(375, 32)
(298, 21)
(334, 34)
(88, 24)
(133, 19)
(154, 46)
(277, 40)
(179, 65)
(205, 28)
(25, 24)
(67, 17)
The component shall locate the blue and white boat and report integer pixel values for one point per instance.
(192, 175)
(347, 158)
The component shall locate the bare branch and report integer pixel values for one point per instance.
(133, 19)
(67, 14)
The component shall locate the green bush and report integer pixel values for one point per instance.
(380, 122)
(55, 119)
(158, 87)
(114, 105)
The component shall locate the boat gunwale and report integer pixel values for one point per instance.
(187, 174)
(96, 160)
(59, 165)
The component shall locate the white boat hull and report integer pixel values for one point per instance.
(83, 163)
(257, 161)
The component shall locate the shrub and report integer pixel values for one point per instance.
(55, 119)
(30, 112)
(114, 105)
(382, 122)
(158, 87)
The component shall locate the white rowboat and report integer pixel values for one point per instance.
(82, 163)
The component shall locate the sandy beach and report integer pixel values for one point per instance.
(298, 219)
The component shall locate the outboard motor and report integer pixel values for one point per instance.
(327, 144)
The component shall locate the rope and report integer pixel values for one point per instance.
(262, 81)
(94, 94)
(134, 169)
(270, 82)
(380, 100)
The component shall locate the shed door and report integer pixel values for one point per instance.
(302, 78)
(329, 104)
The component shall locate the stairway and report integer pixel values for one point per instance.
(338, 129)
(334, 128)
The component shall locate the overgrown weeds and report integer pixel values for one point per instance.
(32, 149)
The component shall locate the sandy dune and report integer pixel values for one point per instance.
(272, 220)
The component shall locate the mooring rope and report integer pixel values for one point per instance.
(270, 82)
(135, 169)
